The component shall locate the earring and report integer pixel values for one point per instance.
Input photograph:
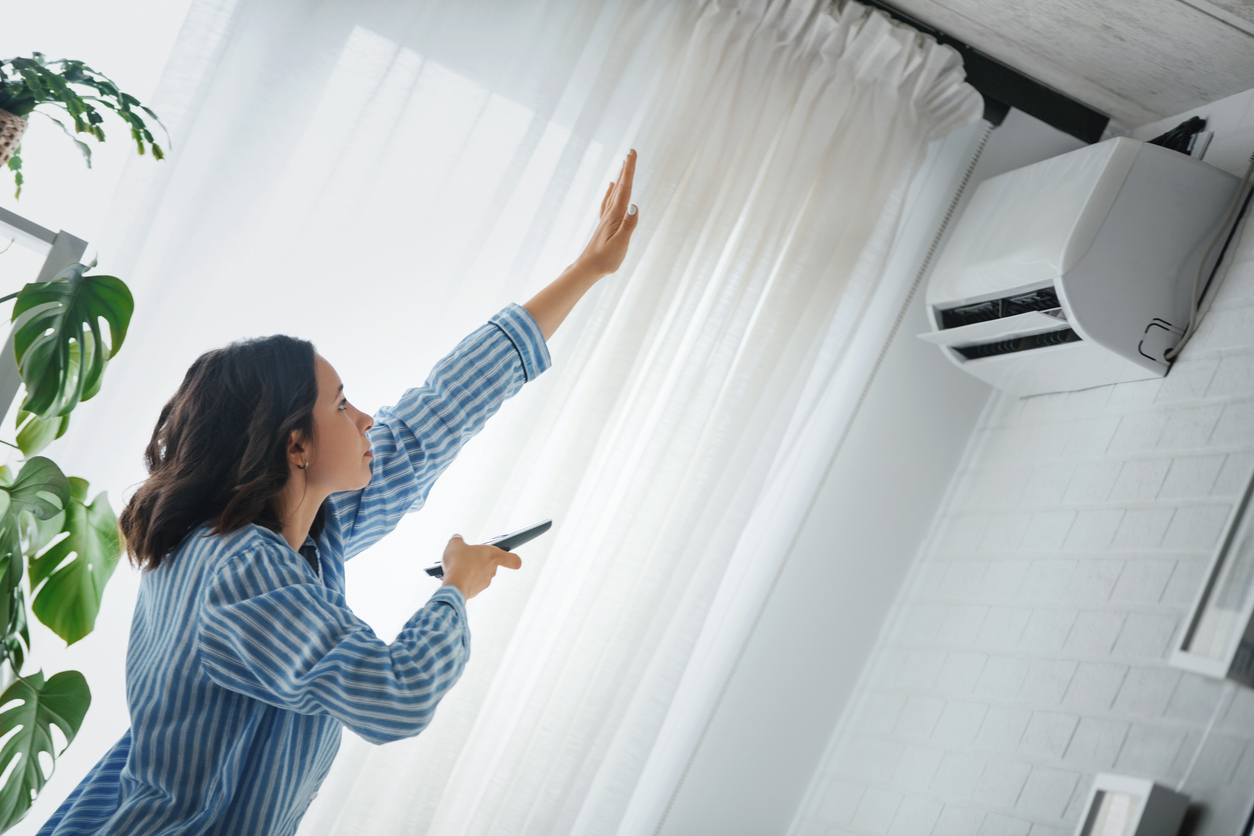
(305, 465)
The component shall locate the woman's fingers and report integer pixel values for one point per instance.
(622, 196)
(614, 197)
(605, 201)
(605, 252)
(508, 559)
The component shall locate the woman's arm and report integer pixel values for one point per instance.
(266, 631)
(603, 255)
(416, 440)
(551, 305)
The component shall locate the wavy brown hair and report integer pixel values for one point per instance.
(219, 450)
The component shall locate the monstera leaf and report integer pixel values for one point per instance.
(40, 487)
(16, 638)
(41, 490)
(16, 641)
(35, 433)
(57, 320)
(75, 569)
(28, 710)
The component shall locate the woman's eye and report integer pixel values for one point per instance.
(343, 404)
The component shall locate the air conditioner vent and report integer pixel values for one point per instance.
(975, 352)
(1037, 300)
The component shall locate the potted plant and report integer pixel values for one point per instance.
(64, 547)
(28, 83)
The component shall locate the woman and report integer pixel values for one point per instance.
(244, 659)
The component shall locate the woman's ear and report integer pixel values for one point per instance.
(297, 448)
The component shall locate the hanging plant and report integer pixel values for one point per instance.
(75, 88)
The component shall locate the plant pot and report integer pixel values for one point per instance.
(11, 129)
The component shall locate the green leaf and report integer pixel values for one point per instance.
(35, 433)
(40, 490)
(49, 318)
(11, 600)
(16, 641)
(40, 487)
(35, 533)
(28, 709)
(15, 165)
(159, 122)
(75, 569)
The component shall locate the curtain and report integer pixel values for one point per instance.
(381, 177)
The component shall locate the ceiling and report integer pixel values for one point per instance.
(1136, 61)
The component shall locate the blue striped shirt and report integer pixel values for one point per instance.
(244, 662)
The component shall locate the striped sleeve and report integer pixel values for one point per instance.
(418, 438)
(266, 632)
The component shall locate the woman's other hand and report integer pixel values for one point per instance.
(471, 568)
(608, 247)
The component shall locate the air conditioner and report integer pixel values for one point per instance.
(1077, 271)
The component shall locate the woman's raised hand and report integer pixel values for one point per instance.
(471, 568)
(608, 247)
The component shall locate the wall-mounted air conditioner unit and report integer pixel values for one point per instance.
(1077, 271)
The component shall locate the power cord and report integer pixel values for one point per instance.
(1182, 136)
(1195, 314)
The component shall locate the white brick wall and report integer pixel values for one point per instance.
(1028, 650)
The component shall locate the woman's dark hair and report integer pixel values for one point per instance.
(219, 450)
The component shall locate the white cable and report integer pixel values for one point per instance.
(1194, 316)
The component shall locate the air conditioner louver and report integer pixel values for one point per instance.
(1037, 300)
(1049, 338)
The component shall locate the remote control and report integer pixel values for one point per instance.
(507, 542)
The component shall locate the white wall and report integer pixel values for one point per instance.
(874, 510)
(1027, 650)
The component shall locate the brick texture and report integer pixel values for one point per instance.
(1029, 649)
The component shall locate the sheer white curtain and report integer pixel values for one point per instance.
(381, 177)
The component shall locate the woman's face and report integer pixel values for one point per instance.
(339, 459)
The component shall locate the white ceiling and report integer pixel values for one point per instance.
(1136, 61)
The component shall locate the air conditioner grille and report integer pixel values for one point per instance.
(1037, 300)
(975, 352)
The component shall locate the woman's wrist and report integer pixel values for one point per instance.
(550, 306)
(456, 585)
(584, 272)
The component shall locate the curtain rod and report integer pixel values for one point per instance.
(1004, 87)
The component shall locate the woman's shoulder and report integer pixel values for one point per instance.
(250, 546)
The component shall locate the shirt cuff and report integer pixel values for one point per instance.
(451, 595)
(528, 339)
